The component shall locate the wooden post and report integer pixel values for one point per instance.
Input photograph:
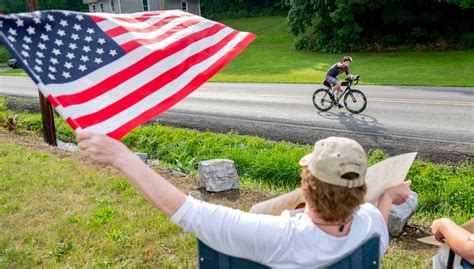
(49, 130)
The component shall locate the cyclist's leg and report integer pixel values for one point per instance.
(333, 81)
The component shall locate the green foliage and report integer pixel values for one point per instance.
(16, 6)
(62, 249)
(342, 25)
(256, 158)
(119, 237)
(443, 190)
(4, 54)
(101, 216)
(218, 9)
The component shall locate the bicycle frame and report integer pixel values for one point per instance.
(347, 90)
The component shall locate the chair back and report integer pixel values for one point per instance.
(364, 257)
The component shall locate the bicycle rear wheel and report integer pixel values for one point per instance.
(321, 100)
(355, 101)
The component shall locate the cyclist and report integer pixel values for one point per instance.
(336, 70)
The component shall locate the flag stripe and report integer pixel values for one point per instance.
(154, 24)
(129, 46)
(153, 85)
(122, 63)
(170, 89)
(118, 78)
(113, 22)
(188, 89)
(173, 25)
(99, 17)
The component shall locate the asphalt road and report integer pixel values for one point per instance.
(438, 122)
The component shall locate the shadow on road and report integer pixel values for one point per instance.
(356, 122)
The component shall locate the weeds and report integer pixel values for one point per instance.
(101, 216)
(62, 249)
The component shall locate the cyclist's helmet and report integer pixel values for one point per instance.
(347, 58)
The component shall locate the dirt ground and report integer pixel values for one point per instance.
(242, 199)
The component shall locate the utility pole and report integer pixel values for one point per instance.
(49, 130)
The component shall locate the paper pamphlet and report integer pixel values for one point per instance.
(386, 174)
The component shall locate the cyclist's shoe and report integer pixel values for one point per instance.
(339, 105)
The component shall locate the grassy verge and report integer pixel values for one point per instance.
(57, 212)
(272, 58)
(74, 215)
(444, 190)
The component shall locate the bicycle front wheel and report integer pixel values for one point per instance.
(355, 101)
(321, 100)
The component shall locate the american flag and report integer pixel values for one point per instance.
(109, 73)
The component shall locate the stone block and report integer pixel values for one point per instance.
(218, 175)
(399, 214)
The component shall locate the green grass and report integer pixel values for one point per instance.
(272, 58)
(58, 213)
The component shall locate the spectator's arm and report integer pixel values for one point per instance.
(277, 205)
(395, 195)
(157, 190)
(456, 237)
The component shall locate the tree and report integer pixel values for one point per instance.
(347, 25)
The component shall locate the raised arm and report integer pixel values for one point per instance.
(157, 190)
(458, 239)
(275, 206)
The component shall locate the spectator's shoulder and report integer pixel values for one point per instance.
(370, 210)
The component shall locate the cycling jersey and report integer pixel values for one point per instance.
(335, 70)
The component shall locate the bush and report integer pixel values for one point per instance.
(4, 54)
(341, 25)
(467, 41)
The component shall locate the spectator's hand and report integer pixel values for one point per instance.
(400, 193)
(436, 229)
(102, 149)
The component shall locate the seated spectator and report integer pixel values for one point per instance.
(333, 223)
(457, 250)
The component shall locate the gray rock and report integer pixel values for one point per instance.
(142, 156)
(67, 146)
(399, 214)
(218, 175)
(22, 104)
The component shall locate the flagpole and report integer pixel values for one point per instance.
(47, 116)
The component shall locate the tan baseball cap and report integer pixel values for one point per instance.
(334, 157)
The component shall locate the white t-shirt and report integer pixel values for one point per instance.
(277, 241)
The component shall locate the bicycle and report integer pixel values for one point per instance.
(354, 100)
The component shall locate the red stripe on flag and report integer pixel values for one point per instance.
(122, 76)
(193, 85)
(133, 44)
(72, 123)
(97, 19)
(153, 27)
(152, 86)
(52, 101)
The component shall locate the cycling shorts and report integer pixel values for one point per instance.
(332, 80)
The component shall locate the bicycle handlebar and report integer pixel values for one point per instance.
(353, 80)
